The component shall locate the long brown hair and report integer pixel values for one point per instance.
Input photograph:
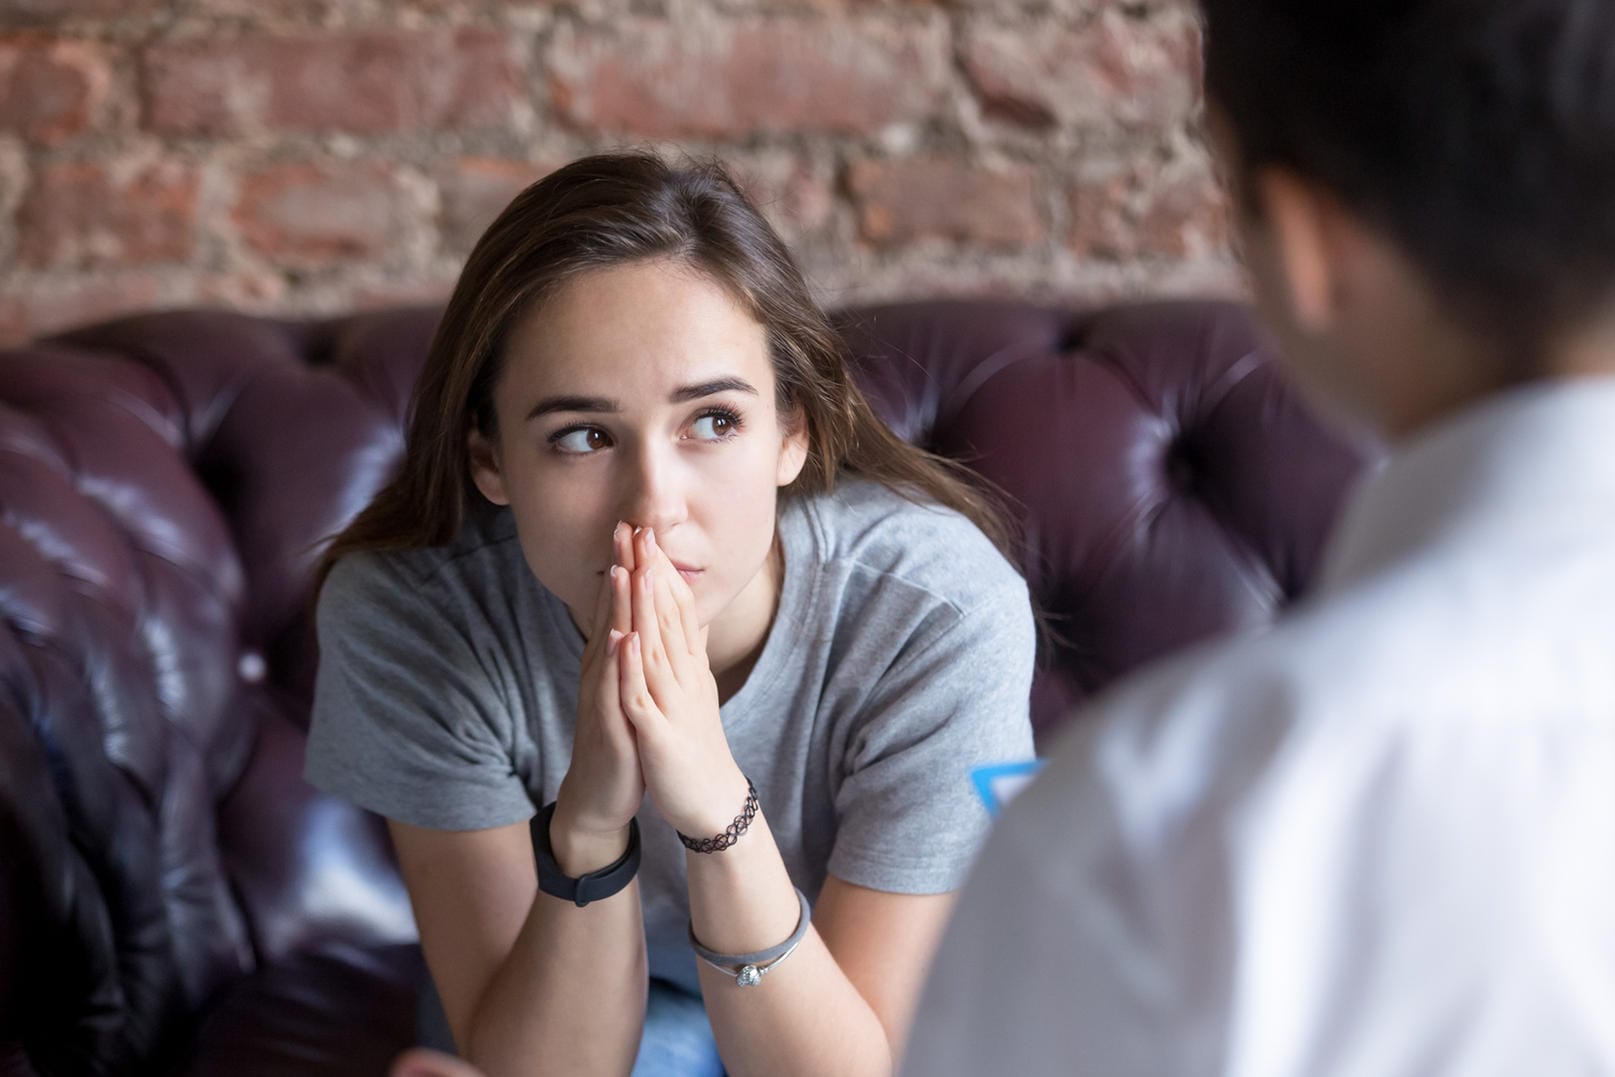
(609, 210)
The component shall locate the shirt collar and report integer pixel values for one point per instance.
(1535, 460)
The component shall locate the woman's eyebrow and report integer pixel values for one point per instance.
(682, 394)
(709, 388)
(571, 403)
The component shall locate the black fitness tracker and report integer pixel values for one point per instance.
(585, 888)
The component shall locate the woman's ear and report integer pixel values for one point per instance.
(486, 471)
(793, 447)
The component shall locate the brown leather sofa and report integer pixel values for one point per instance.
(173, 897)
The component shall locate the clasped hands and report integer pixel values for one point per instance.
(647, 708)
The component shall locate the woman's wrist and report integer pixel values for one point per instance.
(579, 850)
(728, 800)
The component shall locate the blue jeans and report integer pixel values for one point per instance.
(677, 1042)
(678, 1038)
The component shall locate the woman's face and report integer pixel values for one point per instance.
(641, 393)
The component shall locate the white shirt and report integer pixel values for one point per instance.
(1378, 839)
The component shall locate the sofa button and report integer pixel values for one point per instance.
(251, 667)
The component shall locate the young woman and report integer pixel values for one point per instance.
(654, 570)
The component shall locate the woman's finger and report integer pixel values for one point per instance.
(633, 690)
(610, 691)
(622, 608)
(646, 557)
(602, 622)
(668, 616)
(693, 639)
(622, 545)
(647, 629)
(679, 602)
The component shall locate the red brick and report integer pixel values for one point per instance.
(253, 289)
(832, 8)
(358, 82)
(50, 11)
(915, 275)
(739, 77)
(303, 213)
(120, 213)
(902, 201)
(50, 90)
(310, 10)
(403, 292)
(1133, 212)
(1115, 71)
(475, 190)
(33, 310)
(794, 193)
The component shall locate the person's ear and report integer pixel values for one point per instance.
(793, 447)
(486, 470)
(1311, 239)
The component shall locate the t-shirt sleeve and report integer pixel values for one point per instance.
(956, 698)
(409, 720)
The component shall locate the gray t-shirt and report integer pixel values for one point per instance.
(899, 660)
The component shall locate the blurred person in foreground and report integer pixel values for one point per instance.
(1378, 838)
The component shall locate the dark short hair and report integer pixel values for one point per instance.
(1478, 134)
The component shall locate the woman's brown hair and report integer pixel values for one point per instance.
(609, 210)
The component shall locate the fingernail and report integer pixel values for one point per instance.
(612, 639)
(633, 644)
(650, 541)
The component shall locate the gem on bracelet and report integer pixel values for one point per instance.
(748, 976)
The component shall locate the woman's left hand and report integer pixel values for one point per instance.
(669, 694)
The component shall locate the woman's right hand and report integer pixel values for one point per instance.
(603, 786)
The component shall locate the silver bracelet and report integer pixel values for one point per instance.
(749, 969)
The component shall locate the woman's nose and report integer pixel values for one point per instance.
(654, 496)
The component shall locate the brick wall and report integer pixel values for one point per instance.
(322, 155)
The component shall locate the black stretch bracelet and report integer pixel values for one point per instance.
(592, 886)
(732, 832)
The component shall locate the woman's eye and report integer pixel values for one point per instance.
(580, 441)
(715, 426)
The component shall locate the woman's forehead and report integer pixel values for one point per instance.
(643, 329)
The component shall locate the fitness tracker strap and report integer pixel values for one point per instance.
(585, 888)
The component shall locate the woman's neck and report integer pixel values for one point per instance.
(735, 640)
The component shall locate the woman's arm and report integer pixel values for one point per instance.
(814, 1014)
(871, 935)
(526, 978)
(841, 1003)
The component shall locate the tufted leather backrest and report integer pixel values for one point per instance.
(165, 482)
(1169, 483)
